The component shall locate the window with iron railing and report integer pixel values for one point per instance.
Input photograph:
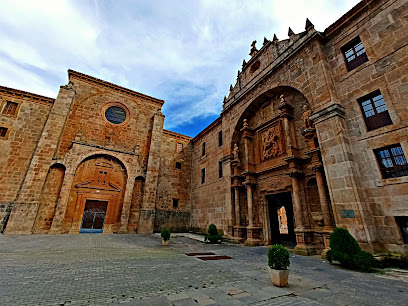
(392, 161)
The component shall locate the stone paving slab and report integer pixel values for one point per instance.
(103, 269)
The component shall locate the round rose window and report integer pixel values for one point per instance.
(115, 114)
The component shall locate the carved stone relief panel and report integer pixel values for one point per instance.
(272, 142)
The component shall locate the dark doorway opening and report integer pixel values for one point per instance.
(94, 216)
(281, 219)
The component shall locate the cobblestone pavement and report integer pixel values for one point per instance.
(135, 269)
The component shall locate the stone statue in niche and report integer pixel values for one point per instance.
(272, 142)
(235, 152)
(308, 124)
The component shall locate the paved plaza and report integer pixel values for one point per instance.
(136, 270)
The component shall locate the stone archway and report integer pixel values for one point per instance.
(97, 191)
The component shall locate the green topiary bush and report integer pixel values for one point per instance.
(345, 249)
(278, 257)
(165, 233)
(213, 236)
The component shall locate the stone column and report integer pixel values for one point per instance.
(296, 199)
(25, 209)
(236, 204)
(250, 208)
(148, 210)
(324, 201)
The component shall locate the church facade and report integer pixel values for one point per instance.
(313, 135)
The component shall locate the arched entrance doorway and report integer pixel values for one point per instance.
(96, 198)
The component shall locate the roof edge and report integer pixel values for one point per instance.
(80, 75)
(209, 127)
(26, 94)
(177, 135)
(353, 11)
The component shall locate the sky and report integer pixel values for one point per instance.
(186, 52)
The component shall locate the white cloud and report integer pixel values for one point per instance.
(186, 52)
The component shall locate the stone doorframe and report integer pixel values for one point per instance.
(265, 208)
(79, 153)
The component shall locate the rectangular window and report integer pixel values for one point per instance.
(220, 174)
(203, 176)
(403, 224)
(220, 138)
(203, 148)
(178, 165)
(179, 147)
(354, 53)
(175, 203)
(3, 132)
(374, 110)
(10, 108)
(392, 161)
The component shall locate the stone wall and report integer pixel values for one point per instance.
(25, 128)
(210, 199)
(174, 183)
(383, 32)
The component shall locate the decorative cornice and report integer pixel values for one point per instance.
(328, 112)
(90, 79)
(176, 135)
(25, 94)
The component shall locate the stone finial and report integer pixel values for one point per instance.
(225, 99)
(309, 25)
(254, 50)
(275, 39)
(244, 63)
(231, 88)
(239, 72)
(265, 41)
(290, 32)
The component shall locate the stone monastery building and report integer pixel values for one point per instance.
(313, 135)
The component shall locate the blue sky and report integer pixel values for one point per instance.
(185, 52)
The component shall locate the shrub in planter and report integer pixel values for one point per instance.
(165, 234)
(278, 263)
(213, 236)
(345, 249)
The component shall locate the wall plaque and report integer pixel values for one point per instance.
(347, 213)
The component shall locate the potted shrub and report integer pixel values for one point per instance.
(213, 236)
(165, 233)
(278, 263)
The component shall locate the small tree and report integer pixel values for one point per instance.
(278, 257)
(213, 236)
(345, 249)
(165, 233)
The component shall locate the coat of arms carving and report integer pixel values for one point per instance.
(272, 142)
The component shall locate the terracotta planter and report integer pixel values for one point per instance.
(279, 277)
(165, 242)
